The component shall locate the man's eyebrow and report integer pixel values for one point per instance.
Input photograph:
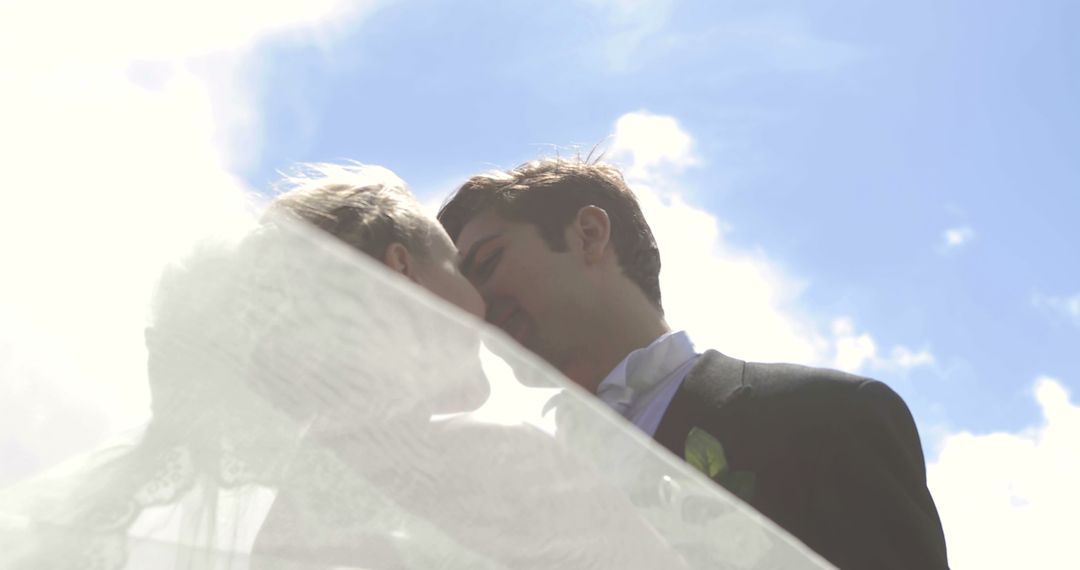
(466, 266)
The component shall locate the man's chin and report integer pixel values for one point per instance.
(556, 357)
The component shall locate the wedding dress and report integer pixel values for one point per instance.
(311, 410)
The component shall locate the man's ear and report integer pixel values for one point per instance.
(399, 260)
(594, 230)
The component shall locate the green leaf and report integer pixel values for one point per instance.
(705, 453)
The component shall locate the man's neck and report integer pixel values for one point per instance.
(622, 333)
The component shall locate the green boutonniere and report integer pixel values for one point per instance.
(706, 454)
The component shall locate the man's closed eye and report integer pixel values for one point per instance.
(486, 267)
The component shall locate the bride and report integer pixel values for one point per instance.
(322, 397)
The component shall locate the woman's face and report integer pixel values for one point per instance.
(440, 275)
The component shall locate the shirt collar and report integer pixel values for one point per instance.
(644, 369)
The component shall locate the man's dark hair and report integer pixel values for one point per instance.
(549, 193)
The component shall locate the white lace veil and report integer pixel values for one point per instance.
(311, 410)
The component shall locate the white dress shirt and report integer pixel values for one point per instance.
(642, 386)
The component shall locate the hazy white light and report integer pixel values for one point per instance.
(118, 163)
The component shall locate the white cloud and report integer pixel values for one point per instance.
(737, 301)
(653, 144)
(853, 351)
(859, 352)
(118, 160)
(904, 357)
(954, 238)
(1067, 307)
(1009, 500)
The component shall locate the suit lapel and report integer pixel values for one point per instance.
(712, 383)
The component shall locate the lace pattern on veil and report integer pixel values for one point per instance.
(312, 411)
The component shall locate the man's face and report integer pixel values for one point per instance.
(439, 274)
(536, 295)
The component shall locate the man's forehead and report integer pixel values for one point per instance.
(480, 227)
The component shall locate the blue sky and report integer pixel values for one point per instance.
(886, 188)
(840, 138)
(901, 178)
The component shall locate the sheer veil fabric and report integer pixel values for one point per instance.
(311, 410)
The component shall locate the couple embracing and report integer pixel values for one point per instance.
(558, 254)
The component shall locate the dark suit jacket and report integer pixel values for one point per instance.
(835, 458)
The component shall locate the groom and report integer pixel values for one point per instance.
(568, 267)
